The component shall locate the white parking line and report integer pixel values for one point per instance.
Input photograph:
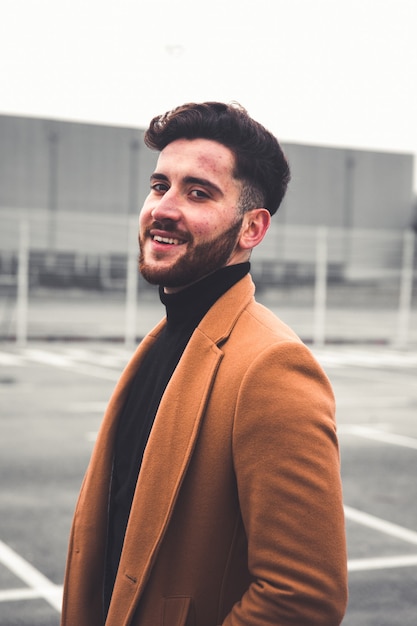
(374, 401)
(64, 361)
(26, 593)
(39, 585)
(8, 359)
(371, 521)
(362, 565)
(388, 528)
(378, 435)
(47, 358)
(372, 358)
(87, 407)
(95, 372)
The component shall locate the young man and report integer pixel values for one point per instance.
(213, 493)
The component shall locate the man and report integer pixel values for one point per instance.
(213, 493)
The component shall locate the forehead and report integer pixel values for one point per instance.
(198, 156)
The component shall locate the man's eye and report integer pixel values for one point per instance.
(159, 187)
(199, 194)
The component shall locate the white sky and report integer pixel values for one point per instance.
(329, 72)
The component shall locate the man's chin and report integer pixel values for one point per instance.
(158, 275)
(168, 277)
(152, 276)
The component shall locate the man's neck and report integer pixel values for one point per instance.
(189, 305)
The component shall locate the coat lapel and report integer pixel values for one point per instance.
(168, 452)
(87, 547)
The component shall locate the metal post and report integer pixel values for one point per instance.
(348, 206)
(131, 281)
(320, 288)
(133, 177)
(52, 187)
(22, 283)
(406, 289)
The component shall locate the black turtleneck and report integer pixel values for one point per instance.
(184, 311)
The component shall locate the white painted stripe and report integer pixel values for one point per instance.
(96, 372)
(47, 358)
(371, 521)
(374, 401)
(362, 565)
(65, 361)
(354, 565)
(346, 429)
(376, 358)
(103, 359)
(11, 360)
(119, 357)
(10, 595)
(31, 576)
(379, 435)
(87, 407)
(16, 595)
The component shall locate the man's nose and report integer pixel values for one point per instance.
(167, 207)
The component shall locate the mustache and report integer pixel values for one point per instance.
(169, 226)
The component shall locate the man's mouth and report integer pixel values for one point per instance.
(168, 240)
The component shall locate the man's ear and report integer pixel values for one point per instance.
(255, 224)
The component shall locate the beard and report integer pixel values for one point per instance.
(199, 261)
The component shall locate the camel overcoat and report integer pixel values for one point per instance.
(237, 516)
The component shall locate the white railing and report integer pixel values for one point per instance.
(76, 277)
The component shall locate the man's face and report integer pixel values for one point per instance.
(189, 225)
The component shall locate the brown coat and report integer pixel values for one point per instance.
(237, 517)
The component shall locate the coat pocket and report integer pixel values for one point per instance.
(178, 611)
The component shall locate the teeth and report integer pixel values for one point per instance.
(175, 242)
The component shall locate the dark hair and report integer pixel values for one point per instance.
(260, 162)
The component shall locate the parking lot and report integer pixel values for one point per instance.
(52, 396)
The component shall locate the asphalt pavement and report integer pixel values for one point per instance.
(52, 396)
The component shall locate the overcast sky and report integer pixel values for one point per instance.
(329, 72)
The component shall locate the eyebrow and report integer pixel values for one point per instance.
(191, 180)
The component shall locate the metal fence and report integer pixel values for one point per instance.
(74, 276)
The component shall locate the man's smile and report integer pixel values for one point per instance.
(167, 240)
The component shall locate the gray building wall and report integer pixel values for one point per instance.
(60, 166)
(67, 166)
(345, 188)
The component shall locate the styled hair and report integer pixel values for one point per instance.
(259, 160)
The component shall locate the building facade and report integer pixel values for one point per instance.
(79, 183)
(61, 166)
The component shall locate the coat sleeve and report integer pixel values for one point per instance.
(288, 474)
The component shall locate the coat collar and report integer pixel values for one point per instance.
(218, 323)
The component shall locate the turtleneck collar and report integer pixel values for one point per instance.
(187, 308)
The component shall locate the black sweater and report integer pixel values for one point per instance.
(184, 310)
